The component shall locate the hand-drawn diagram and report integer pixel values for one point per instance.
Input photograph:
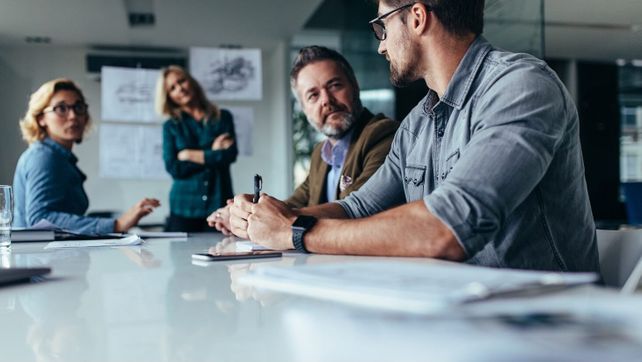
(128, 94)
(129, 151)
(132, 93)
(243, 126)
(228, 74)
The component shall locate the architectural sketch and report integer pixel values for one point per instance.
(228, 74)
(128, 94)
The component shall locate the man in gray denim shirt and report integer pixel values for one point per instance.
(486, 169)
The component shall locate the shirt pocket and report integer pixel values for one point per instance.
(414, 182)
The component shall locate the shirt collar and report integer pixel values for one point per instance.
(469, 66)
(58, 148)
(334, 155)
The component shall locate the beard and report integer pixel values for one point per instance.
(402, 74)
(334, 131)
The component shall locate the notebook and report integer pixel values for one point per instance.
(14, 275)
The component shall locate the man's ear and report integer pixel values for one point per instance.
(419, 18)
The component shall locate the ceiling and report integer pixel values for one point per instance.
(594, 29)
(584, 29)
(178, 23)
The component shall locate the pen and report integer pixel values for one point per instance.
(258, 185)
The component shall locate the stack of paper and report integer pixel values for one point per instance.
(126, 241)
(407, 286)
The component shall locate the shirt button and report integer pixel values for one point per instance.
(204, 198)
(440, 133)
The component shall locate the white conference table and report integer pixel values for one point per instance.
(150, 303)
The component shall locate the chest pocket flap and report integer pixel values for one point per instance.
(414, 179)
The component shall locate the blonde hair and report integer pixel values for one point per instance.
(31, 130)
(166, 107)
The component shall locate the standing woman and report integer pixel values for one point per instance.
(47, 184)
(198, 148)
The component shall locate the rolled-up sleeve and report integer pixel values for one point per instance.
(517, 128)
(382, 191)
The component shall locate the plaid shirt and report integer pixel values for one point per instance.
(198, 190)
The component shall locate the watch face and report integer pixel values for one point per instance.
(304, 222)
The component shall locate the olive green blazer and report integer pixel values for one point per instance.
(368, 149)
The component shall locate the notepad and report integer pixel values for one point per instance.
(126, 241)
(406, 286)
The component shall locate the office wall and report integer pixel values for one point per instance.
(23, 69)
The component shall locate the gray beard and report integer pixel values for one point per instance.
(337, 132)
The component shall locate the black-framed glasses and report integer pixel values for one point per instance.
(377, 25)
(62, 109)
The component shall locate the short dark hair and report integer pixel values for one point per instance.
(459, 17)
(315, 53)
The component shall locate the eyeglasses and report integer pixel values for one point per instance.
(377, 25)
(62, 109)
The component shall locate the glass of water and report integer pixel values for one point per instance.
(6, 215)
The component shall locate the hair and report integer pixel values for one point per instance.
(31, 130)
(459, 17)
(315, 53)
(166, 107)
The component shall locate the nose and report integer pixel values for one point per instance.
(71, 113)
(326, 98)
(382, 48)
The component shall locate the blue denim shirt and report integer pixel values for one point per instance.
(498, 160)
(48, 185)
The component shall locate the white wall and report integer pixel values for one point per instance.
(24, 69)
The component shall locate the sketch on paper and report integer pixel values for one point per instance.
(228, 74)
(243, 126)
(130, 151)
(128, 94)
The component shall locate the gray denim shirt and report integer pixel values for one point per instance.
(498, 160)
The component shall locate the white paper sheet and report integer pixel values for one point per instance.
(131, 152)
(126, 241)
(128, 94)
(405, 286)
(243, 125)
(228, 74)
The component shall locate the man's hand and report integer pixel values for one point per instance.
(220, 219)
(130, 218)
(239, 212)
(223, 142)
(270, 223)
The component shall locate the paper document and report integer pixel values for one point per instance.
(407, 286)
(246, 245)
(126, 241)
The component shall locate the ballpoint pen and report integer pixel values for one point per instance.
(258, 185)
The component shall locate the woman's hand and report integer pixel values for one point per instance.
(223, 142)
(196, 156)
(130, 218)
(220, 219)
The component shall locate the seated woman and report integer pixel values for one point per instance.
(47, 184)
(198, 148)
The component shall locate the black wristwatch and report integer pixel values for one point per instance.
(301, 225)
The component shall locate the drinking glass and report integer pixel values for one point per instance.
(6, 215)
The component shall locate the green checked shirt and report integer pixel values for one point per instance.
(198, 190)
